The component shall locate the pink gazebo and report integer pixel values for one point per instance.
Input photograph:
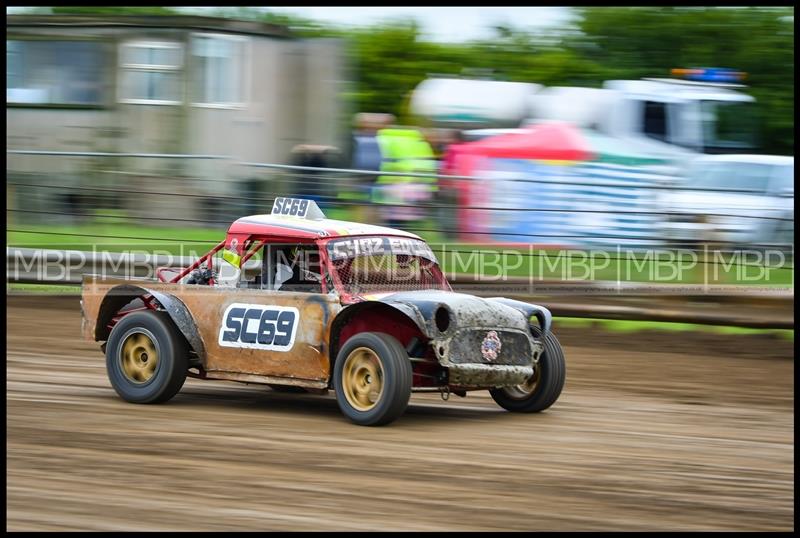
(543, 142)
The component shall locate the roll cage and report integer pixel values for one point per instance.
(308, 260)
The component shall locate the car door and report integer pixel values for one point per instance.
(257, 331)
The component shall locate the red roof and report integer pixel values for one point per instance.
(547, 141)
(309, 229)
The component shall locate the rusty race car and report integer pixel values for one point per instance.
(303, 303)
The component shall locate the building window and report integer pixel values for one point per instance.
(219, 74)
(55, 72)
(655, 120)
(151, 73)
(14, 64)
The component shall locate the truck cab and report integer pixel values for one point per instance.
(704, 118)
(674, 118)
(698, 111)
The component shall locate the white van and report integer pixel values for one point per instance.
(744, 200)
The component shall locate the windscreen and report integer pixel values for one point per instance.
(783, 179)
(728, 125)
(737, 176)
(367, 265)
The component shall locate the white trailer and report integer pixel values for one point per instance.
(471, 103)
(672, 119)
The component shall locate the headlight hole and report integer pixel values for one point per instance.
(442, 319)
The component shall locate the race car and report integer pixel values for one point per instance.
(303, 303)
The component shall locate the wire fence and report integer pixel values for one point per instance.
(584, 213)
(332, 200)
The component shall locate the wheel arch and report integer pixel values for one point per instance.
(119, 296)
(401, 321)
(542, 314)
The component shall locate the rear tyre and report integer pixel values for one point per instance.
(543, 389)
(146, 358)
(372, 378)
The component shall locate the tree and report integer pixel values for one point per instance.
(636, 42)
(97, 10)
(389, 59)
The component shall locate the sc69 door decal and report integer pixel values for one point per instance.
(254, 326)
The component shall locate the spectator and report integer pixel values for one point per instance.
(314, 184)
(367, 156)
(405, 150)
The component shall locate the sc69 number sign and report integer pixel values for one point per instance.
(252, 326)
(293, 207)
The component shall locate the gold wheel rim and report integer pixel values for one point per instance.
(524, 390)
(362, 379)
(139, 357)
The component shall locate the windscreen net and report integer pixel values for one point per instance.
(367, 265)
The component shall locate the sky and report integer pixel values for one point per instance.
(447, 24)
(443, 24)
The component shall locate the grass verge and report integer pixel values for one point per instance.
(491, 260)
(623, 326)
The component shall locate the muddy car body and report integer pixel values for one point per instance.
(304, 303)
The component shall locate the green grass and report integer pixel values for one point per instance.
(179, 241)
(44, 289)
(660, 266)
(492, 261)
(624, 326)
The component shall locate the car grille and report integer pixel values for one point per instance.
(515, 348)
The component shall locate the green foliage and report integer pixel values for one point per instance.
(112, 11)
(389, 59)
(649, 41)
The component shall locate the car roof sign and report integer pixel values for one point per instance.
(298, 208)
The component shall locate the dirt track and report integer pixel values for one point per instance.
(639, 440)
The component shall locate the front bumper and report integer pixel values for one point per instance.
(484, 375)
(514, 364)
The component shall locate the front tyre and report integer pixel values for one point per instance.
(543, 389)
(146, 358)
(372, 378)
